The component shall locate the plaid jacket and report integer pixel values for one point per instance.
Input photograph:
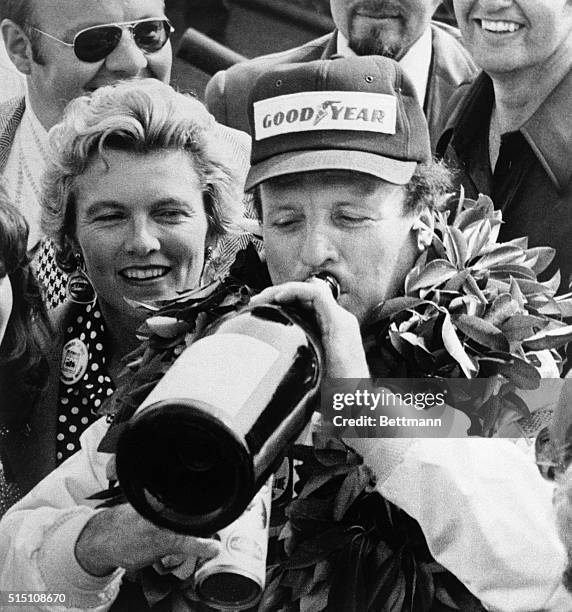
(52, 279)
(11, 113)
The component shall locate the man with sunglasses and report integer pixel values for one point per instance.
(66, 48)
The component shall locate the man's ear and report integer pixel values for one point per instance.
(424, 226)
(18, 45)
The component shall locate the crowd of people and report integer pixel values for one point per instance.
(116, 190)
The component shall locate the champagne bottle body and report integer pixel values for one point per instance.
(216, 426)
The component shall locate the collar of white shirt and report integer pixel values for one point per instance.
(38, 128)
(415, 63)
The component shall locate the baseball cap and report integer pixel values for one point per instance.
(347, 113)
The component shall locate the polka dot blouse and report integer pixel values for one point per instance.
(84, 381)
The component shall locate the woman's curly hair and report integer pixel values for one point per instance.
(23, 366)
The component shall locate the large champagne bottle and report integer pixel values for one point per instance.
(219, 422)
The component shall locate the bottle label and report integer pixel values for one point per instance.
(222, 370)
(242, 557)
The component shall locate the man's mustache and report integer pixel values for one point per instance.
(377, 9)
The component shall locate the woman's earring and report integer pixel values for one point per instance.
(79, 288)
(210, 265)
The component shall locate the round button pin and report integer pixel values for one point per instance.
(74, 361)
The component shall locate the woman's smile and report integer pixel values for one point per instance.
(144, 273)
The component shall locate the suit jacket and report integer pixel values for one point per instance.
(11, 113)
(227, 93)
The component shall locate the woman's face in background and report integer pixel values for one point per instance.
(141, 225)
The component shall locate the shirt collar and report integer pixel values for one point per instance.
(415, 63)
(34, 123)
(472, 115)
(344, 47)
(549, 133)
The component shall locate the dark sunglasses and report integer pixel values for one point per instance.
(96, 42)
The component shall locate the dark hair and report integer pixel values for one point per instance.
(18, 11)
(23, 367)
(428, 187)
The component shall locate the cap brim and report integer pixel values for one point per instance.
(391, 170)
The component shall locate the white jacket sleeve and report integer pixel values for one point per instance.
(485, 511)
(38, 534)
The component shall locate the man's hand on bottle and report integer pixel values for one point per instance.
(121, 537)
(341, 338)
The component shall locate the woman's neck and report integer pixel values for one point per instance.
(121, 339)
(520, 93)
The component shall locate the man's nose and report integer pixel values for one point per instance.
(127, 59)
(318, 248)
(495, 5)
(141, 239)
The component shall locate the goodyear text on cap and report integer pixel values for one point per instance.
(325, 110)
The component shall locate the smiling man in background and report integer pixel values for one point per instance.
(66, 48)
(429, 52)
(510, 132)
